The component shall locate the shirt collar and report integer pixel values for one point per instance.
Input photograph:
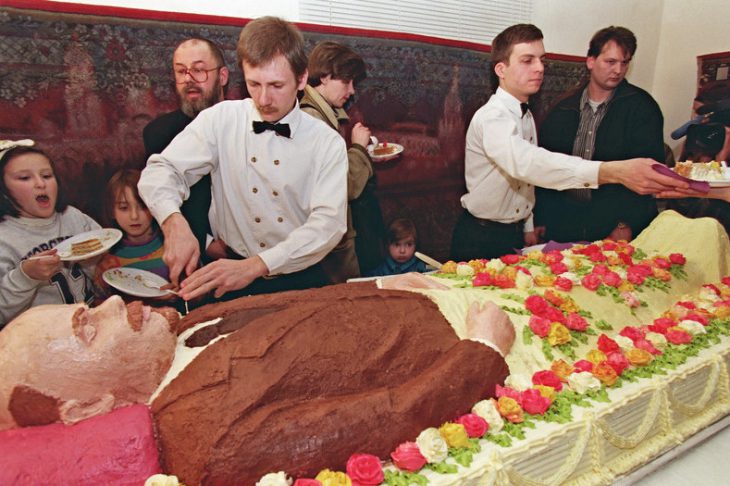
(293, 118)
(512, 103)
(584, 98)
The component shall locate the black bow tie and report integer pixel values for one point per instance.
(525, 108)
(280, 128)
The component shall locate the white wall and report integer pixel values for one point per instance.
(689, 29)
(568, 25)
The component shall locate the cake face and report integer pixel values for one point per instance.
(90, 361)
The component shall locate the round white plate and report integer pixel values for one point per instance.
(136, 282)
(382, 158)
(107, 236)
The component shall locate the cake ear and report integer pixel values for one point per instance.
(83, 327)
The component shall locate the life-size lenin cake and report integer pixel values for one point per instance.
(311, 373)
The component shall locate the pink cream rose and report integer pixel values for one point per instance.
(505, 391)
(583, 365)
(661, 325)
(364, 470)
(554, 315)
(504, 282)
(612, 279)
(536, 304)
(533, 402)
(698, 318)
(408, 457)
(600, 269)
(617, 361)
(475, 425)
(677, 259)
(662, 263)
(558, 268)
(632, 333)
(591, 281)
(539, 325)
(483, 279)
(576, 322)
(511, 259)
(597, 257)
(678, 336)
(547, 378)
(553, 256)
(726, 280)
(563, 283)
(307, 482)
(646, 345)
(606, 344)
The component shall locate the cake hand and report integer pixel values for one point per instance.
(487, 322)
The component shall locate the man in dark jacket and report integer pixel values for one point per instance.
(201, 77)
(606, 118)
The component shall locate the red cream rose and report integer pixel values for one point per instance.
(474, 425)
(408, 457)
(547, 378)
(364, 470)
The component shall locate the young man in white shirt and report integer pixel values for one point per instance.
(503, 162)
(278, 176)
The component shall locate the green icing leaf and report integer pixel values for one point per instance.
(463, 456)
(404, 478)
(603, 325)
(500, 439)
(527, 335)
(443, 468)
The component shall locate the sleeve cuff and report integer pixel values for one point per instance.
(488, 344)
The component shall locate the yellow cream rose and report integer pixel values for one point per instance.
(333, 478)
(558, 334)
(454, 434)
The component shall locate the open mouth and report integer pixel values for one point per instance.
(42, 199)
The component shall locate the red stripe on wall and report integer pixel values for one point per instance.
(144, 14)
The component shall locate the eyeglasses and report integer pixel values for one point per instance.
(199, 75)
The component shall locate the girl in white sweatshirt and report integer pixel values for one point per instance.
(34, 219)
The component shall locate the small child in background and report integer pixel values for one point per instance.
(34, 218)
(142, 244)
(402, 239)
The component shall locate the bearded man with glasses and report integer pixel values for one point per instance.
(201, 76)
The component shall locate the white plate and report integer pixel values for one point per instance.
(136, 282)
(382, 158)
(107, 236)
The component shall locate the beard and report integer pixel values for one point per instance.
(192, 107)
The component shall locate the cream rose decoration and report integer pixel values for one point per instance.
(432, 445)
(487, 410)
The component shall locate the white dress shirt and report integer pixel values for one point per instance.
(503, 164)
(283, 199)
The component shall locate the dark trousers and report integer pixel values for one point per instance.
(475, 238)
(308, 278)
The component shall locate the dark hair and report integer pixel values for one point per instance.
(337, 60)
(261, 40)
(622, 36)
(8, 205)
(504, 42)
(214, 49)
(401, 228)
(122, 179)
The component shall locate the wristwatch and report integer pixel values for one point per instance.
(621, 225)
